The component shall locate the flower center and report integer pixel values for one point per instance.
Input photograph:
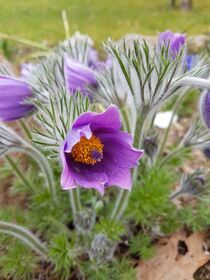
(88, 151)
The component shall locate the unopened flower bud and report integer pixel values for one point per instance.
(99, 206)
(206, 152)
(150, 145)
(205, 108)
(192, 184)
(102, 249)
(174, 40)
(84, 220)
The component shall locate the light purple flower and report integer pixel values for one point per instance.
(206, 152)
(175, 40)
(97, 64)
(191, 61)
(78, 76)
(205, 108)
(13, 94)
(96, 154)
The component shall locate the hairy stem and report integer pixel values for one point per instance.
(123, 197)
(24, 235)
(193, 82)
(75, 201)
(45, 167)
(175, 194)
(138, 133)
(126, 119)
(176, 151)
(18, 172)
(120, 205)
(165, 136)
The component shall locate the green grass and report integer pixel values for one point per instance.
(41, 19)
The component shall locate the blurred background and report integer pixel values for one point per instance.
(41, 20)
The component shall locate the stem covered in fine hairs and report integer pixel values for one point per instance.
(193, 82)
(176, 151)
(24, 235)
(74, 200)
(165, 136)
(44, 165)
(18, 172)
(123, 197)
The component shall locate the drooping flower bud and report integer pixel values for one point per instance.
(193, 184)
(95, 63)
(206, 152)
(84, 220)
(13, 95)
(150, 145)
(102, 249)
(205, 108)
(174, 40)
(78, 76)
(191, 61)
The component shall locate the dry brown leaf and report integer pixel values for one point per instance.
(168, 264)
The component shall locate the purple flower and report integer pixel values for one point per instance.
(175, 40)
(95, 63)
(78, 76)
(13, 94)
(96, 154)
(191, 60)
(205, 108)
(206, 152)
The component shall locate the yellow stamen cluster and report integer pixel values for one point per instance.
(83, 150)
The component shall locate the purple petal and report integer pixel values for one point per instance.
(175, 40)
(74, 136)
(165, 36)
(6, 102)
(108, 119)
(12, 87)
(102, 175)
(110, 133)
(94, 178)
(117, 176)
(118, 151)
(78, 76)
(93, 58)
(77, 174)
(13, 94)
(95, 63)
(14, 113)
(205, 108)
(67, 181)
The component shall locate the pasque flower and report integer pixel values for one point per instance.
(78, 76)
(205, 108)
(96, 154)
(97, 64)
(13, 95)
(175, 40)
(206, 151)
